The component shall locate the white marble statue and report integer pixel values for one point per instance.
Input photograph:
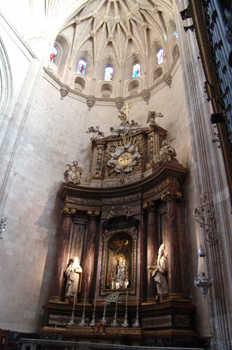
(74, 278)
(166, 153)
(159, 272)
(73, 174)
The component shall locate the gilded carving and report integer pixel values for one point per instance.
(124, 157)
(159, 188)
(150, 206)
(93, 213)
(68, 211)
(169, 195)
(83, 201)
(121, 200)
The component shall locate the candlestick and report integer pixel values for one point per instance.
(82, 323)
(92, 323)
(125, 322)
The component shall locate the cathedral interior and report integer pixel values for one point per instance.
(115, 177)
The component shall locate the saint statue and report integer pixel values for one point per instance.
(159, 272)
(74, 278)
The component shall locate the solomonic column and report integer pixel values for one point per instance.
(63, 253)
(152, 245)
(172, 242)
(89, 256)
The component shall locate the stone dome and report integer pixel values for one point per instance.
(118, 34)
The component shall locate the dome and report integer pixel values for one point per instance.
(117, 34)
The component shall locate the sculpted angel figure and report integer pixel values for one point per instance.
(97, 134)
(151, 117)
(159, 272)
(122, 117)
(73, 174)
(74, 278)
(166, 153)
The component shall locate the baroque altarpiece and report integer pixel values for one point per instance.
(131, 203)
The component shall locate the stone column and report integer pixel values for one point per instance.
(89, 257)
(152, 246)
(172, 242)
(63, 253)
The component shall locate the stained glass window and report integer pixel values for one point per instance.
(81, 67)
(108, 73)
(160, 56)
(175, 34)
(136, 70)
(53, 54)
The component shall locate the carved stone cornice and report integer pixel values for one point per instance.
(68, 211)
(93, 214)
(150, 206)
(170, 195)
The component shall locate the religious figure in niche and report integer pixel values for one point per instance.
(159, 272)
(73, 174)
(119, 262)
(120, 277)
(166, 153)
(74, 278)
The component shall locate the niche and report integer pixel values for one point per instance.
(79, 84)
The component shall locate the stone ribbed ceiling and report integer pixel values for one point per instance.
(112, 28)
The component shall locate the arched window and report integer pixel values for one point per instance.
(53, 54)
(136, 70)
(160, 56)
(81, 67)
(108, 73)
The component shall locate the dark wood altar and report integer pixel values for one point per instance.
(139, 210)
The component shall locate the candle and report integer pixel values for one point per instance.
(126, 298)
(137, 300)
(84, 299)
(95, 301)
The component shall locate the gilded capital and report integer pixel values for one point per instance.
(93, 214)
(150, 206)
(169, 195)
(68, 211)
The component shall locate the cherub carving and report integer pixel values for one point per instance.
(73, 174)
(166, 153)
(151, 117)
(127, 210)
(97, 134)
(110, 213)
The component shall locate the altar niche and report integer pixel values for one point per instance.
(119, 254)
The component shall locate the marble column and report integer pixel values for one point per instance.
(172, 242)
(152, 246)
(89, 257)
(63, 253)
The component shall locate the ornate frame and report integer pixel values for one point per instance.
(106, 237)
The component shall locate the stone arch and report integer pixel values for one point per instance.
(6, 80)
(63, 49)
(79, 83)
(157, 73)
(106, 89)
